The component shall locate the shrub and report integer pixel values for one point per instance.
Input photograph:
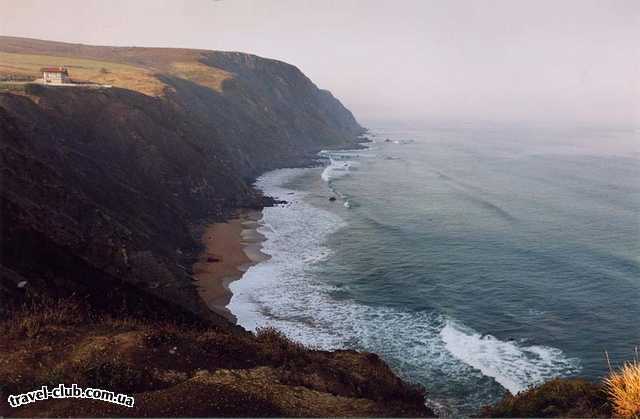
(34, 89)
(40, 313)
(117, 375)
(623, 388)
(278, 347)
(555, 398)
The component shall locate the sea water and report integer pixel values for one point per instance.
(475, 260)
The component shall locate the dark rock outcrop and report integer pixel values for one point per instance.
(555, 398)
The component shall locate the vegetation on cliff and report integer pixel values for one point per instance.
(187, 368)
(623, 388)
(618, 396)
(555, 398)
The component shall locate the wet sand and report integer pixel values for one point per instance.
(230, 249)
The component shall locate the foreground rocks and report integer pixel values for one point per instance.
(555, 398)
(188, 369)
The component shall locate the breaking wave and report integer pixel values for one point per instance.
(427, 347)
(512, 365)
(339, 165)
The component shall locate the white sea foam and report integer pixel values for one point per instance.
(280, 290)
(284, 292)
(344, 162)
(513, 365)
(340, 165)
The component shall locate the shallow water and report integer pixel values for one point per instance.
(474, 260)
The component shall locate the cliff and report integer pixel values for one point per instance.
(101, 188)
(102, 193)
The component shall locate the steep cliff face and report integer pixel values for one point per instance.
(101, 187)
(274, 113)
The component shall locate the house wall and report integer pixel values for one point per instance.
(56, 78)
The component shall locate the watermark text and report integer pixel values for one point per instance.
(70, 392)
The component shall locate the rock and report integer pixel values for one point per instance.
(194, 370)
(572, 397)
(22, 284)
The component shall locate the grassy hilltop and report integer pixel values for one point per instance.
(136, 69)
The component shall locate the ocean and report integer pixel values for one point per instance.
(475, 260)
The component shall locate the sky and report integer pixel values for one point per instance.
(560, 61)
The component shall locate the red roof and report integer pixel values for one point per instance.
(62, 70)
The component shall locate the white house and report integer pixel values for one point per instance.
(55, 75)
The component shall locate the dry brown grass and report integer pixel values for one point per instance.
(201, 74)
(279, 348)
(42, 313)
(19, 66)
(623, 388)
(49, 341)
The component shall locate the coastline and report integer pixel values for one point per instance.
(250, 308)
(230, 248)
(282, 293)
(233, 246)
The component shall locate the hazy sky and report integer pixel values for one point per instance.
(498, 60)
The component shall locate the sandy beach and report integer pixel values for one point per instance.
(230, 249)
